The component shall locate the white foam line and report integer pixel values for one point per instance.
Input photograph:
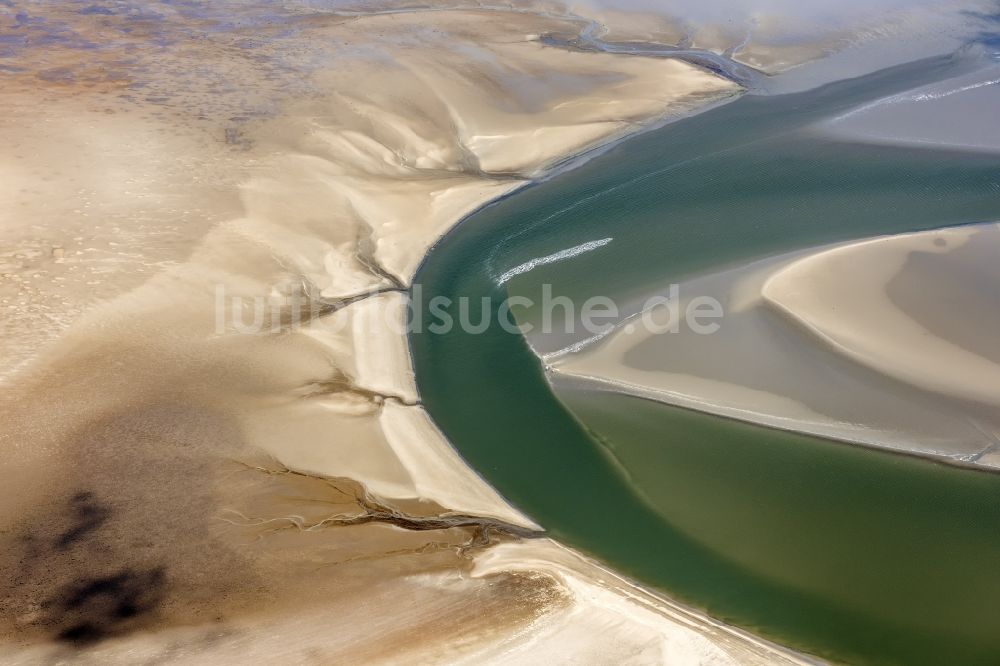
(577, 346)
(911, 97)
(552, 258)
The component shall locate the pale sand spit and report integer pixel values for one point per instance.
(888, 342)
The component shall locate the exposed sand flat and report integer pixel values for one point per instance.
(604, 604)
(601, 604)
(888, 342)
(639, 26)
(914, 117)
(828, 42)
(865, 40)
(222, 456)
(875, 331)
(543, 121)
(518, 603)
(92, 204)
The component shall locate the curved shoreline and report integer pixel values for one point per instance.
(224, 452)
(518, 468)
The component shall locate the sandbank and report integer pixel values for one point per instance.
(881, 342)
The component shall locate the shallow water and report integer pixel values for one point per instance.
(850, 554)
(874, 556)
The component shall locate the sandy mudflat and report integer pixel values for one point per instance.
(213, 446)
(888, 342)
(808, 44)
(913, 118)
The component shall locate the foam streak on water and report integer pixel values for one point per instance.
(552, 258)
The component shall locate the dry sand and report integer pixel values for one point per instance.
(889, 342)
(176, 489)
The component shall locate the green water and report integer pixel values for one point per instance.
(849, 554)
(868, 547)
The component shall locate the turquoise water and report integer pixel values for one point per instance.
(850, 554)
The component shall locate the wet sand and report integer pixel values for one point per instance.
(914, 118)
(884, 342)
